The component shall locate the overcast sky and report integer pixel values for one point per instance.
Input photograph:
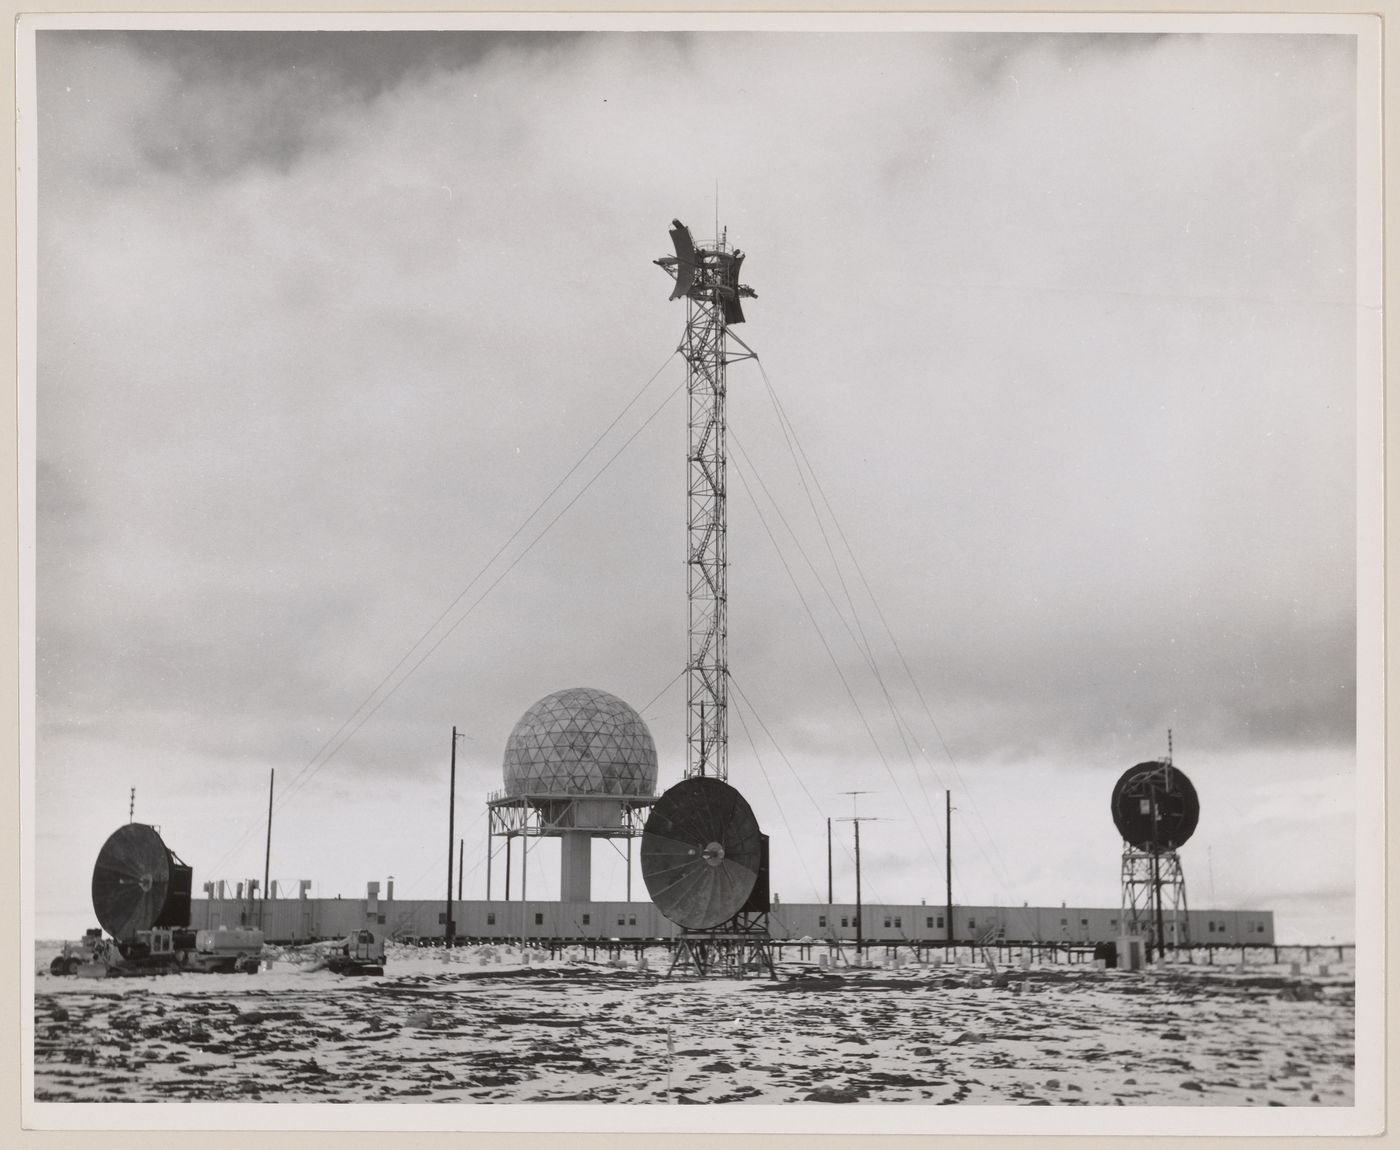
(1064, 324)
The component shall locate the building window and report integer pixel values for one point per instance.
(621, 921)
(631, 920)
(887, 922)
(929, 921)
(490, 918)
(1064, 922)
(1113, 922)
(1083, 922)
(845, 921)
(539, 920)
(898, 921)
(821, 920)
(972, 924)
(587, 919)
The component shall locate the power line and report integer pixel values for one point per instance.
(782, 811)
(866, 649)
(781, 754)
(831, 655)
(786, 422)
(499, 578)
(862, 644)
(788, 763)
(674, 680)
(331, 746)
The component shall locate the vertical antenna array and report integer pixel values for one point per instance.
(708, 279)
(707, 560)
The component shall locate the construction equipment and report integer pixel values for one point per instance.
(362, 952)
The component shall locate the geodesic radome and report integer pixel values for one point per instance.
(580, 741)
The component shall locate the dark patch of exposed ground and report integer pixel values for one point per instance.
(581, 1032)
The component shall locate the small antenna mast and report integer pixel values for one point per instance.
(854, 796)
(131, 807)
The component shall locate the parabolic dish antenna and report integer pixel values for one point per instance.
(702, 853)
(1155, 807)
(131, 881)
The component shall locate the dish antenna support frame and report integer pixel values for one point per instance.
(1155, 808)
(1154, 899)
(740, 947)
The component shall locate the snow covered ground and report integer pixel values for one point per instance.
(485, 1026)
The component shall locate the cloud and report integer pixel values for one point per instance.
(1064, 326)
(227, 101)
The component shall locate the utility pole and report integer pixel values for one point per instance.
(461, 865)
(1157, 900)
(449, 927)
(829, 894)
(1157, 874)
(860, 942)
(855, 798)
(948, 858)
(860, 930)
(267, 853)
(1156, 864)
(509, 836)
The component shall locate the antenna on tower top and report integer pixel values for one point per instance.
(131, 807)
(1169, 746)
(708, 279)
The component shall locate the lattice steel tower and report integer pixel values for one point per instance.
(708, 278)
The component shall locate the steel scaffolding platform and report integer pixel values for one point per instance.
(734, 949)
(1154, 898)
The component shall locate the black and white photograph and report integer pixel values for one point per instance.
(626, 562)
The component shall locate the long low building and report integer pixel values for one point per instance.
(291, 920)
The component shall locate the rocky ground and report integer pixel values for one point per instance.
(487, 1027)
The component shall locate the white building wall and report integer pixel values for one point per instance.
(292, 920)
